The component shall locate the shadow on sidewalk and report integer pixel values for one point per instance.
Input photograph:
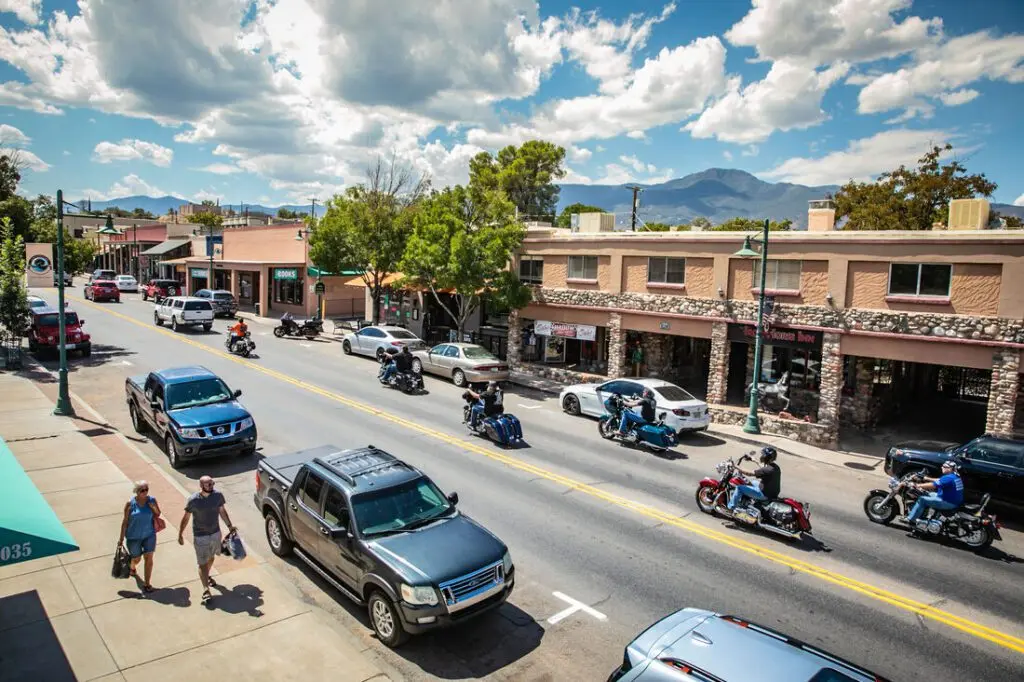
(31, 651)
(238, 599)
(169, 596)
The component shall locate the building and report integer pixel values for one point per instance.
(190, 209)
(923, 329)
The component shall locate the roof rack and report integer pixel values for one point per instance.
(337, 472)
(349, 476)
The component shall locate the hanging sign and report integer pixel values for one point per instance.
(581, 332)
(286, 273)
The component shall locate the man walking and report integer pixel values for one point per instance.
(205, 508)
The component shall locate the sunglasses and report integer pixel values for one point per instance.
(143, 490)
(207, 485)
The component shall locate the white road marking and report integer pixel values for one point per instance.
(264, 333)
(126, 363)
(306, 345)
(529, 407)
(575, 606)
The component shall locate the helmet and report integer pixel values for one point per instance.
(392, 351)
(492, 386)
(768, 454)
(950, 464)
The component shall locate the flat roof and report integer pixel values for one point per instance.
(556, 235)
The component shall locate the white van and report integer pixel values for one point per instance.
(184, 311)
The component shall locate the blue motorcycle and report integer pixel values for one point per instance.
(657, 436)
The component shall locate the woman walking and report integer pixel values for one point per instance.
(139, 529)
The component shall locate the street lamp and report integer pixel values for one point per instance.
(302, 234)
(753, 425)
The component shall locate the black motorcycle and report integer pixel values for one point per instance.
(968, 523)
(407, 382)
(243, 346)
(310, 329)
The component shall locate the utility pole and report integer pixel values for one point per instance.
(63, 408)
(636, 203)
(319, 287)
(135, 249)
(313, 212)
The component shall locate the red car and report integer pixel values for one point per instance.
(159, 289)
(44, 332)
(103, 290)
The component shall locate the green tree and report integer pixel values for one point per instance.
(142, 213)
(14, 308)
(211, 221)
(656, 227)
(910, 199)
(13, 205)
(526, 174)
(286, 213)
(10, 174)
(208, 202)
(462, 243)
(700, 223)
(565, 217)
(78, 253)
(367, 227)
(750, 225)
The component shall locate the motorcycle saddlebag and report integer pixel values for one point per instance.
(496, 430)
(512, 426)
(654, 434)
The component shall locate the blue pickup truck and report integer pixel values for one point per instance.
(192, 412)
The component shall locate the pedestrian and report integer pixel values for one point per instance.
(205, 508)
(138, 528)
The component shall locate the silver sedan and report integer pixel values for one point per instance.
(463, 363)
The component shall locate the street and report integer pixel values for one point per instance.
(588, 522)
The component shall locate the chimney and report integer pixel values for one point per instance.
(821, 215)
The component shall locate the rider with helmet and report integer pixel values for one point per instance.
(949, 492)
(630, 419)
(769, 474)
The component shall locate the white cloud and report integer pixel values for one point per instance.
(751, 150)
(727, 154)
(32, 161)
(204, 195)
(958, 97)
(862, 160)
(26, 10)
(220, 168)
(637, 135)
(133, 150)
(1019, 201)
(12, 137)
(129, 185)
(578, 154)
(67, 153)
(638, 165)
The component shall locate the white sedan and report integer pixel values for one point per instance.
(127, 283)
(682, 411)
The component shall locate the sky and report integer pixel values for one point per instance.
(279, 101)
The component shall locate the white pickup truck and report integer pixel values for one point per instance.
(184, 311)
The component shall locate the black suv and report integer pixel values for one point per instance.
(988, 464)
(382, 533)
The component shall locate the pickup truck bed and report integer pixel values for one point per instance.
(285, 467)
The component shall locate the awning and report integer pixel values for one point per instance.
(313, 271)
(28, 527)
(165, 247)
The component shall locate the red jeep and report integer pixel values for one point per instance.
(159, 289)
(102, 290)
(44, 332)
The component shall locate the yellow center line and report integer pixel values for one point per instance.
(918, 608)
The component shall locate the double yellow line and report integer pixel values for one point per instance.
(920, 609)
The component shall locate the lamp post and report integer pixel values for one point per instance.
(63, 408)
(135, 251)
(753, 424)
(303, 235)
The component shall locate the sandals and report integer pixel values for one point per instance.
(148, 589)
(211, 581)
(206, 596)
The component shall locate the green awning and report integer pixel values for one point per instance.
(316, 272)
(165, 247)
(28, 527)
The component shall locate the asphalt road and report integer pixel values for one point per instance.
(614, 528)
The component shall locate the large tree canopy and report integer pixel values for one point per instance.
(526, 175)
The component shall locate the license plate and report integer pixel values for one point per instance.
(71, 346)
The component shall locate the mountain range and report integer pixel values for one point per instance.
(718, 194)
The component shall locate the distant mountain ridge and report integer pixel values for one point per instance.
(159, 206)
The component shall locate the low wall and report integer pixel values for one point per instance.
(817, 435)
(559, 374)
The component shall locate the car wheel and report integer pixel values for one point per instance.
(346, 348)
(207, 327)
(174, 323)
(87, 351)
(137, 422)
(157, 320)
(172, 452)
(571, 404)
(279, 543)
(385, 620)
(144, 296)
(459, 378)
(417, 366)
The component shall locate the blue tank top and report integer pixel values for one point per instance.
(140, 520)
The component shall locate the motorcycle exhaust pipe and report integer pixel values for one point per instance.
(780, 531)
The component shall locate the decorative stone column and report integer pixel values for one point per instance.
(856, 409)
(1002, 395)
(718, 363)
(514, 349)
(657, 353)
(831, 389)
(616, 346)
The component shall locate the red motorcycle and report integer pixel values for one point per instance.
(785, 516)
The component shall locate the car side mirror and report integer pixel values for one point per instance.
(154, 404)
(237, 393)
(453, 498)
(81, 320)
(341, 534)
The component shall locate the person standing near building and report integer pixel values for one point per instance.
(205, 508)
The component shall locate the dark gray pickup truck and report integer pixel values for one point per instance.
(382, 533)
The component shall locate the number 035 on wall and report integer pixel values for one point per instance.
(15, 552)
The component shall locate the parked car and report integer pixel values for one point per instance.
(374, 340)
(684, 412)
(988, 464)
(44, 331)
(37, 302)
(223, 301)
(192, 412)
(463, 363)
(102, 290)
(384, 535)
(68, 279)
(100, 273)
(184, 311)
(695, 644)
(159, 289)
(127, 283)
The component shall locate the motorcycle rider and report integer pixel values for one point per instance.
(403, 362)
(630, 418)
(487, 403)
(237, 332)
(390, 357)
(769, 474)
(949, 493)
(287, 322)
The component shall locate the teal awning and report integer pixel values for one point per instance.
(312, 271)
(28, 527)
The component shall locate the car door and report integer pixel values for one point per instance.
(305, 502)
(448, 360)
(594, 402)
(160, 418)
(994, 467)
(337, 546)
(432, 358)
(366, 340)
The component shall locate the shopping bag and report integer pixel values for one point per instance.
(235, 547)
(122, 563)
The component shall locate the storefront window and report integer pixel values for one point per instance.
(804, 366)
(583, 267)
(288, 285)
(579, 348)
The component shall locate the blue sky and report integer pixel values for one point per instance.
(275, 101)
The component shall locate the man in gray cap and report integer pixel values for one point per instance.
(205, 508)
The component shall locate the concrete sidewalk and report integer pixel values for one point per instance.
(65, 618)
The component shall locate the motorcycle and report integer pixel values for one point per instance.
(784, 516)
(308, 328)
(504, 429)
(243, 346)
(657, 436)
(968, 523)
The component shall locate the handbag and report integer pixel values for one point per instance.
(159, 524)
(232, 546)
(122, 563)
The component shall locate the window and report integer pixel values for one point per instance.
(336, 509)
(919, 279)
(309, 494)
(409, 504)
(370, 332)
(531, 270)
(781, 274)
(196, 393)
(994, 452)
(197, 305)
(451, 352)
(401, 334)
(673, 393)
(478, 353)
(583, 267)
(665, 270)
(288, 291)
(439, 350)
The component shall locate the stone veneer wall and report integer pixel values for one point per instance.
(1002, 397)
(718, 369)
(804, 432)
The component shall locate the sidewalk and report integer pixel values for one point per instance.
(65, 618)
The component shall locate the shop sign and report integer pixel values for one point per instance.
(320, 288)
(777, 336)
(286, 273)
(664, 325)
(199, 273)
(581, 332)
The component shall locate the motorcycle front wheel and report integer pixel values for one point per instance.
(706, 499)
(878, 510)
(605, 428)
(279, 332)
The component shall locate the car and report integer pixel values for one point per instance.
(192, 412)
(696, 644)
(184, 311)
(382, 533)
(68, 279)
(44, 331)
(375, 339)
(684, 412)
(127, 283)
(102, 290)
(988, 464)
(223, 301)
(463, 363)
(159, 289)
(37, 302)
(100, 273)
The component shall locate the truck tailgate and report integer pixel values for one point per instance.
(286, 466)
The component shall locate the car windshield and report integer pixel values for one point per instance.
(36, 303)
(673, 393)
(196, 393)
(197, 305)
(401, 334)
(51, 320)
(399, 508)
(478, 353)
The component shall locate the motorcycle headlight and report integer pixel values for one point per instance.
(247, 423)
(422, 595)
(506, 563)
(189, 433)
